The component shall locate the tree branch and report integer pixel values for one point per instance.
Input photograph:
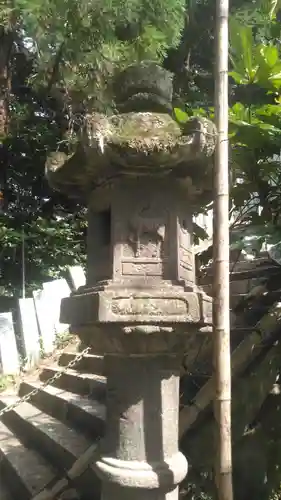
(55, 70)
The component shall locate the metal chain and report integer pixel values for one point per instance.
(53, 491)
(57, 375)
(82, 463)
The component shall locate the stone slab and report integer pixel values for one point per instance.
(61, 444)
(26, 472)
(134, 306)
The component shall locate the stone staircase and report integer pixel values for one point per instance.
(42, 438)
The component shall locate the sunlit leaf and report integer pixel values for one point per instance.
(271, 55)
(270, 7)
(180, 115)
(238, 78)
(242, 53)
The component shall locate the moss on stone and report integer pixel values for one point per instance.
(144, 143)
(145, 131)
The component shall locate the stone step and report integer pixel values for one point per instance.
(26, 472)
(242, 287)
(56, 442)
(72, 409)
(235, 287)
(5, 493)
(90, 363)
(87, 384)
(236, 299)
(245, 264)
(256, 271)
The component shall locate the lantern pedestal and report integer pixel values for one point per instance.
(139, 455)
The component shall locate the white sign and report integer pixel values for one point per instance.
(29, 331)
(9, 357)
(56, 291)
(45, 320)
(77, 276)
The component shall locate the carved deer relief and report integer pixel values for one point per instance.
(146, 230)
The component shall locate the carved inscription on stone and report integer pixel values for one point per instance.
(149, 306)
(142, 268)
(146, 241)
(186, 258)
(143, 250)
(185, 248)
(146, 236)
(186, 255)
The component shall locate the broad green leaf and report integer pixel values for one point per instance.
(269, 110)
(276, 82)
(247, 47)
(236, 48)
(241, 48)
(234, 35)
(270, 7)
(180, 115)
(271, 55)
(238, 78)
(275, 76)
(239, 112)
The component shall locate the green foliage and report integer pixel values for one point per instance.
(263, 16)
(79, 44)
(66, 53)
(253, 63)
(50, 246)
(7, 381)
(63, 55)
(255, 132)
(64, 339)
(254, 120)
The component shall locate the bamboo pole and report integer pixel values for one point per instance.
(248, 349)
(221, 316)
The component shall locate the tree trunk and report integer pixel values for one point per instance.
(221, 316)
(6, 44)
(6, 47)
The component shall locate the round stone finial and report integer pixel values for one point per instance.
(144, 87)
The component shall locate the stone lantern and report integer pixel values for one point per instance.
(142, 175)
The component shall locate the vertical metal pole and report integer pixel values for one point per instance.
(23, 261)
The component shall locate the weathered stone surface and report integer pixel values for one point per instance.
(140, 269)
(140, 234)
(144, 87)
(140, 449)
(134, 144)
(127, 306)
(137, 339)
(143, 139)
(142, 174)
